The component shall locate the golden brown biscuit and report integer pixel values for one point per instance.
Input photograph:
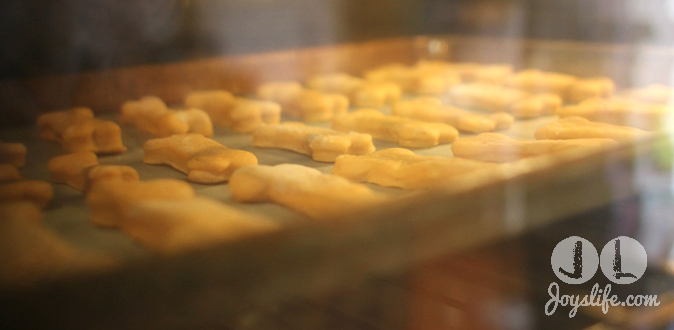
(581, 128)
(432, 110)
(361, 93)
(240, 114)
(621, 112)
(9, 173)
(101, 173)
(309, 105)
(110, 199)
(501, 99)
(29, 252)
(472, 72)
(301, 188)
(538, 81)
(404, 131)
(588, 88)
(172, 226)
(655, 93)
(151, 115)
(496, 147)
(322, 144)
(202, 159)
(13, 154)
(38, 192)
(77, 130)
(401, 168)
(71, 168)
(424, 79)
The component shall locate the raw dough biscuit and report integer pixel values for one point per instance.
(101, 173)
(472, 72)
(110, 199)
(38, 192)
(77, 130)
(621, 112)
(570, 88)
(151, 115)
(501, 99)
(9, 173)
(655, 93)
(241, 114)
(404, 131)
(309, 105)
(401, 168)
(322, 144)
(172, 226)
(13, 154)
(202, 159)
(301, 188)
(496, 147)
(432, 110)
(71, 168)
(415, 80)
(581, 128)
(361, 93)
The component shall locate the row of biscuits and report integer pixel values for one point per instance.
(167, 217)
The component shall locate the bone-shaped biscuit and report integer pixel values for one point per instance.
(309, 105)
(581, 128)
(172, 226)
(401, 168)
(655, 93)
(70, 168)
(432, 110)
(9, 173)
(110, 199)
(38, 192)
(30, 252)
(647, 116)
(13, 154)
(417, 79)
(404, 131)
(495, 98)
(100, 173)
(77, 130)
(496, 147)
(569, 87)
(472, 72)
(322, 144)
(241, 114)
(202, 159)
(302, 189)
(361, 92)
(151, 115)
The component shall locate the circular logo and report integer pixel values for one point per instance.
(574, 260)
(623, 260)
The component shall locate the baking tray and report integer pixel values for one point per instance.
(307, 257)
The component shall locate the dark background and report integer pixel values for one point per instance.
(51, 37)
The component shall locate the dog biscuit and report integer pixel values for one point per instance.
(404, 131)
(431, 109)
(173, 226)
(150, 114)
(401, 168)
(13, 154)
(71, 168)
(309, 105)
(472, 72)
(100, 173)
(426, 80)
(77, 130)
(109, 200)
(38, 192)
(496, 147)
(202, 159)
(655, 93)
(581, 128)
(584, 89)
(301, 188)
(646, 116)
(9, 173)
(361, 93)
(570, 88)
(241, 114)
(322, 144)
(502, 99)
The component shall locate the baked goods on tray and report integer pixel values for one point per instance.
(581, 128)
(71, 168)
(361, 92)
(150, 114)
(240, 114)
(495, 98)
(35, 191)
(568, 87)
(77, 130)
(616, 111)
(308, 105)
